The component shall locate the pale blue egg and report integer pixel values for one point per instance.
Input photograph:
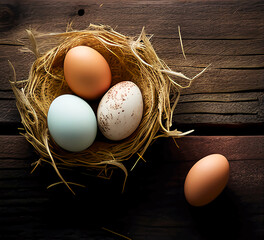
(72, 123)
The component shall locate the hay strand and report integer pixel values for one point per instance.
(129, 58)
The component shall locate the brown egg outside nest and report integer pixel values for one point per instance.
(206, 180)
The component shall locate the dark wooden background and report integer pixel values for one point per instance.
(225, 106)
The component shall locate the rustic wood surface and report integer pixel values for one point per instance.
(226, 34)
(153, 204)
(225, 106)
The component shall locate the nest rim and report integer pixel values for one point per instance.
(126, 51)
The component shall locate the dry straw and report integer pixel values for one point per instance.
(130, 58)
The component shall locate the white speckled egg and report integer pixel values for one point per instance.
(120, 111)
(72, 123)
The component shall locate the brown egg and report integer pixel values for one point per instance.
(206, 179)
(87, 72)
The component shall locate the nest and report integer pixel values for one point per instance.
(130, 58)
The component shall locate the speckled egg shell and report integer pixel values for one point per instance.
(120, 111)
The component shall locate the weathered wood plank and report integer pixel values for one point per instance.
(9, 111)
(153, 205)
(227, 34)
(235, 54)
(16, 147)
(235, 148)
(206, 120)
(11, 145)
(224, 108)
(212, 81)
(216, 47)
(221, 97)
(205, 19)
(249, 108)
(219, 62)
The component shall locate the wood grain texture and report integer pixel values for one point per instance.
(228, 98)
(228, 35)
(153, 205)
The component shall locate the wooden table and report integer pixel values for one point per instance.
(225, 106)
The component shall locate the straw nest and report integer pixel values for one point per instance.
(130, 58)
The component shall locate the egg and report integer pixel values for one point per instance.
(206, 179)
(86, 72)
(72, 123)
(120, 111)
